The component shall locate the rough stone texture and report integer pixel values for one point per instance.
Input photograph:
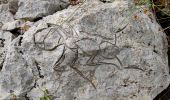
(12, 25)
(3, 1)
(5, 15)
(101, 46)
(32, 9)
(7, 10)
(13, 6)
(19, 25)
(5, 40)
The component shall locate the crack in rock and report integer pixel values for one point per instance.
(39, 69)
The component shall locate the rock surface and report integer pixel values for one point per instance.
(101, 51)
(12, 25)
(5, 39)
(5, 14)
(32, 9)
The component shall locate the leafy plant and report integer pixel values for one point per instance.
(46, 95)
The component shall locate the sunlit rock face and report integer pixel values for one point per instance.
(32, 9)
(101, 51)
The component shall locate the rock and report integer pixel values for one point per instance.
(93, 55)
(17, 81)
(5, 39)
(12, 25)
(3, 1)
(5, 15)
(33, 9)
(17, 27)
(13, 6)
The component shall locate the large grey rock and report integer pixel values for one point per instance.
(19, 80)
(5, 14)
(5, 39)
(32, 9)
(101, 46)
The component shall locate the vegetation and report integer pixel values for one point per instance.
(46, 95)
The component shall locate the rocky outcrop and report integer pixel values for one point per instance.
(100, 51)
(5, 15)
(32, 9)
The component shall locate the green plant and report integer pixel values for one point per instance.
(13, 96)
(46, 95)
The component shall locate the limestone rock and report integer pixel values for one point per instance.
(12, 25)
(99, 53)
(5, 39)
(5, 15)
(13, 6)
(32, 9)
(16, 81)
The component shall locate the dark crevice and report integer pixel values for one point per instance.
(26, 94)
(39, 70)
(37, 19)
(3, 56)
(21, 52)
(2, 42)
(75, 98)
(20, 41)
(155, 51)
(149, 43)
(26, 97)
(11, 91)
(105, 1)
(2, 64)
(16, 32)
(34, 86)
(164, 95)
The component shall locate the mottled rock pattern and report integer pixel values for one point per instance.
(32, 9)
(5, 39)
(99, 53)
(13, 6)
(12, 25)
(5, 14)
